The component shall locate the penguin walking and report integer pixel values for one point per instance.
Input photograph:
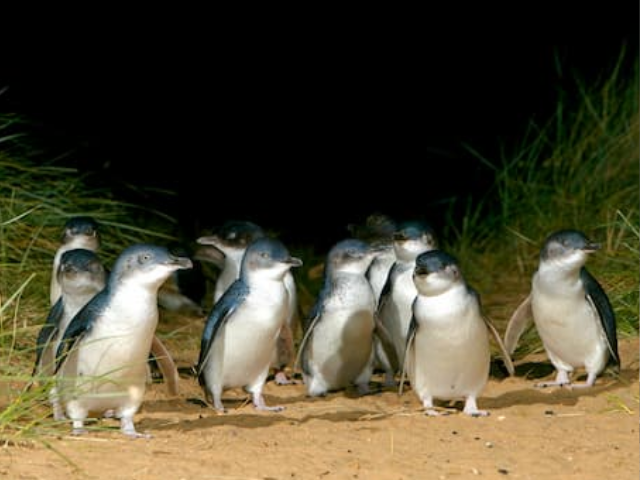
(571, 311)
(102, 357)
(80, 276)
(337, 348)
(83, 232)
(232, 239)
(240, 335)
(448, 352)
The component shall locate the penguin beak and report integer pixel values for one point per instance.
(591, 247)
(420, 271)
(182, 262)
(400, 236)
(208, 240)
(210, 254)
(294, 262)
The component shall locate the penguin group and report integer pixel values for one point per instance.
(391, 301)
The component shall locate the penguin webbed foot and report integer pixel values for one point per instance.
(363, 389)
(432, 412)
(276, 408)
(128, 429)
(259, 404)
(58, 416)
(562, 380)
(567, 385)
(281, 378)
(78, 428)
(471, 408)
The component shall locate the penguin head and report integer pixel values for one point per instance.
(435, 271)
(351, 255)
(378, 229)
(81, 270)
(233, 236)
(267, 257)
(81, 232)
(567, 247)
(413, 238)
(146, 264)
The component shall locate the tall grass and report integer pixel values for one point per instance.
(36, 199)
(580, 170)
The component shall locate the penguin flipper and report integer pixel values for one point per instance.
(385, 293)
(518, 323)
(601, 305)
(312, 320)
(47, 333)
(381, 332)
(79, 325)
(166, 365)
(220, 312)
(504, 353)
(411, 336)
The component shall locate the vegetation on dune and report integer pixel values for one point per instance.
(36, 198)
(580, 170)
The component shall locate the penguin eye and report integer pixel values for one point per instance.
(145, 257)
(264, 254)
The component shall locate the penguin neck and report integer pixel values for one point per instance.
(263, 277)
(557, 277)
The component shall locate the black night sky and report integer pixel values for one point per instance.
(256, 125)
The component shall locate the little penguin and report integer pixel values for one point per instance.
(80, 276)
(394, 305)
(102, 357)
(84, 232)
(571, 311)
(232, 239)
(240, 335)
(337, 347)
(448, 353)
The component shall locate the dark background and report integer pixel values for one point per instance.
(305, 128)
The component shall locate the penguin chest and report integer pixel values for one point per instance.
(397, 312)
(245, 345)
(118, 343)
(342, 341)
(568, 325)
(450, 356)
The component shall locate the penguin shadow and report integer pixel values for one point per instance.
(532, 372)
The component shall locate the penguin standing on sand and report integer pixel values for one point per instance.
(394, 305)
(571, 311)
(232, 239)
(240, 335)
(102, 357)
(337, 348)
(83, 232)
(80, 276)
(448, 353)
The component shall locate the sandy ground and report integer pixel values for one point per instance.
(530, 434)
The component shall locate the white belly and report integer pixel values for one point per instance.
(569, 329)
(245, 345)
(341, 347)
(450, 357)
